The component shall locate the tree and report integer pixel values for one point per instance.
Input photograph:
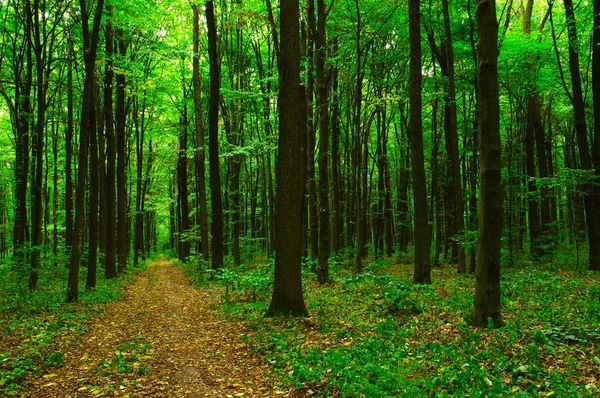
(110, 264)
(213, 140)
(122, 197)
(290, 170)
(323, 108)
(422, 271)
(486, 303)
(200, 154)
(87, 112)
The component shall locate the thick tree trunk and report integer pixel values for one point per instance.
(422, 269)
(291, 170)
(486, 303)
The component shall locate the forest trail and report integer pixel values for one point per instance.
(161, 339)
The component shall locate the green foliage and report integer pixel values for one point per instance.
(36, 324)
(128, 358)
(377, 334)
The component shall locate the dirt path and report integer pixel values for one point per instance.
(162, 339)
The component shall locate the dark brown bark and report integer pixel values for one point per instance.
(23, 75)
(290, 170)
(422, 268)
(532, 126)
(591, 210)
(313, 212)
(182, 190)
(596, 107)
(323, 108)
(69, 154)
(337, 221)
(359, 162)
(110, 202)
(486, 303)
(37, 149)
(87, 109)
(122, 197)
(452, 147)
(213, 141)
(200, 153)
(93, 198)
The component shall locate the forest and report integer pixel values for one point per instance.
(296, 198)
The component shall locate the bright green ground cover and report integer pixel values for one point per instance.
(36, 327)
(377, 335)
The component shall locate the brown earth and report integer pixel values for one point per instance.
(162, 339)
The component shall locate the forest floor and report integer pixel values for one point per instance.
(162, 338)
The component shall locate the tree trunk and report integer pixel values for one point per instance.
(452, 147)
(313, 212)
(291, 170)
(182, 190)
(486, 303)
(422, 269)
(323, 107)
(110, 229)
(122, 222)
(213, 140)
(200, 154)
(596, 107)
(87, 111)
(591, 210)
(93, 198)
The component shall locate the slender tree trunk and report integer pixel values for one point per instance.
(93, 199)
(596, 97)
(110, 230)
(122, 197)
(69, 154)
(591, 210)
(87, 111)
(336, 225)
(311, 134)
(182, 189)
(213, 141)
(200, 153)
(452, 146)
(37, 149)
(323, 106)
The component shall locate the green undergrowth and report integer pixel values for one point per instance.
(36, 327)
(378, 335)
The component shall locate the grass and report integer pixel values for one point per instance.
(36, 326)
(377, 334)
